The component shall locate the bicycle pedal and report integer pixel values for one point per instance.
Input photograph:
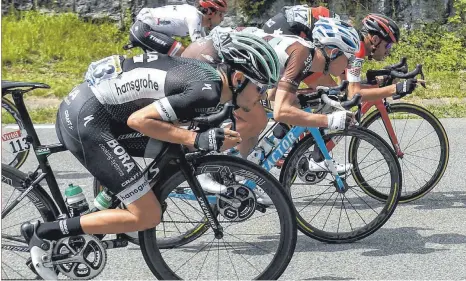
(30, 266)
(164, 206)
(261, 208)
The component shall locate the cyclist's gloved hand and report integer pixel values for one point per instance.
(340, 120)
(210, 140)
(405, 88)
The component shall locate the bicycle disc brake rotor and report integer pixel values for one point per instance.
(302, 168)
(89, 252)
(237, 204)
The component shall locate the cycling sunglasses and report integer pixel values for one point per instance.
(337, 52)
(261, 88)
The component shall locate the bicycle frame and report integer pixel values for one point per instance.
(382, 108)
(170, 152)
(291, 137)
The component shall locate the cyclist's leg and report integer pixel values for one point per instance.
(84, 126)
(149, 40)
(250, 125)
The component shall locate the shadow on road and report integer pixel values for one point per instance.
(386, 242)
(440, 200)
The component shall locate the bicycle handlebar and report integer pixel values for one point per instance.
(214, 120)
(393, 74)
(401, 66)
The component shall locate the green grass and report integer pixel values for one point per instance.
(57, 49)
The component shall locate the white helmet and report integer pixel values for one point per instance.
(334, 33)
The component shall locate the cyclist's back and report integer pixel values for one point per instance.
(174, 20)
(297, 20)
(294, 53)
(154, 27)
(92, 121)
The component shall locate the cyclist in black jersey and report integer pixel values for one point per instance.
(128, 103)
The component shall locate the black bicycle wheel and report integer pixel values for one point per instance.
(257, 246)
(15, 149)
(37, 205)
(424, 145)
(333, 216)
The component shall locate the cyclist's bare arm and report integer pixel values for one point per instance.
(370, 94)
(148, 121)
(285, 111)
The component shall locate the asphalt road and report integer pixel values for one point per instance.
(425, 239)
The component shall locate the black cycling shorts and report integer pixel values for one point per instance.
(143, 36)
(104, 145)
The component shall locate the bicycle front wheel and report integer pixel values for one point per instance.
(423, 148)
(258, 242)
(328, 214)
(15, 148)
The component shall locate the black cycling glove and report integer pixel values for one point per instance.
(210, 140)
(405, 88)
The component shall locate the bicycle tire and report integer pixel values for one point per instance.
(287, 236)
(289, 174)
(167, 242)
(20, 157)
(41, 201)
(407, 195)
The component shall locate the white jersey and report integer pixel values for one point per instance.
(278, 42)
(174, 20)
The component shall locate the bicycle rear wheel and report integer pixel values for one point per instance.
(37, 205)
(15, 149)
(266, 233)
(329, 215)
(424, 145)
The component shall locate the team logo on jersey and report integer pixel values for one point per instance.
(137, 85)
(88, 119)
(207, 87)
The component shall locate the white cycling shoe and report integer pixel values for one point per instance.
(322, 167)
(262, 197)
(210, 185)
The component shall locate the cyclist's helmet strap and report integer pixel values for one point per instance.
(234, 90)
(327, 59)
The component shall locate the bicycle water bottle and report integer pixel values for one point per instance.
(280, 131)
(102, 201)
(261, 151)
(76, 201)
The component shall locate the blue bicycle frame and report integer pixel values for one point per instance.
(279, 150)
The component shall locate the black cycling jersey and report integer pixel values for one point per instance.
(92, 119)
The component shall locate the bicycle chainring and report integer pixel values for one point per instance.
(89, 252)
(237, 204)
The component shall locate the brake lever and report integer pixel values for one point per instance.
(423, 82)
(359, 113)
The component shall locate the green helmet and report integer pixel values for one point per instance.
(249, 54)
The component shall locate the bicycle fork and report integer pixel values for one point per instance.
(328, 160)
(189, 173)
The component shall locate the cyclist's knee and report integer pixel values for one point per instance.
(146, 210)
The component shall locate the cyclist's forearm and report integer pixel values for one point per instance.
(372, 94)
(285, 112)
(163, 131)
